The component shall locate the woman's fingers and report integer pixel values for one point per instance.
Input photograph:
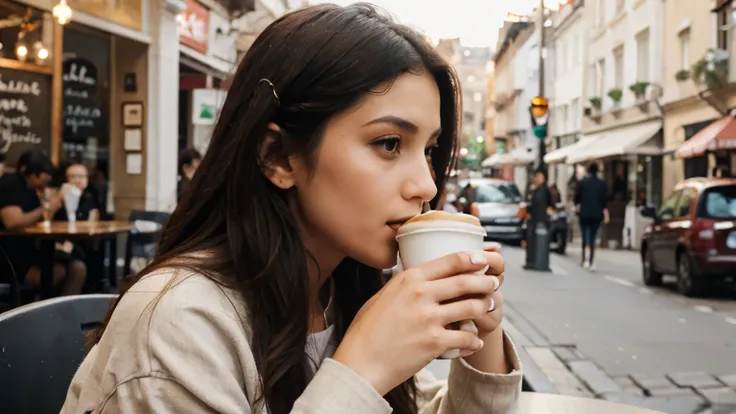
(465, 309)
(496, 264)
(454, 264)
(452, 339)
(455, 287)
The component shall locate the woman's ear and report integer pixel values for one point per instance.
(274, 159)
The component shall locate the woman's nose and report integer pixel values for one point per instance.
(420, 184)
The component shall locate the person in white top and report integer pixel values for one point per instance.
(266, 294)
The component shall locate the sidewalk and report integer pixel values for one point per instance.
(574, 252)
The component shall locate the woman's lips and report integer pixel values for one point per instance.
(395, 226)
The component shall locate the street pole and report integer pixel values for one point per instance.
(542, 142)
(537, 248)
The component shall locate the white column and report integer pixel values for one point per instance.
(163, 106)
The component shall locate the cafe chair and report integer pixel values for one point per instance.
(12, 293)
(41, 347)
(142, 240)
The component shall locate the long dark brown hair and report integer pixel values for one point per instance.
(321, 60)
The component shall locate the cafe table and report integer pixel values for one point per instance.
(540, 403)
(49, 233)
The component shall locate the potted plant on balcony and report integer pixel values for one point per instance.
(682, 75)
(712, 69)
(639, 89)
(615, 94)
(596, 102)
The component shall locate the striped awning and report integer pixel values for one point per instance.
(718, 136)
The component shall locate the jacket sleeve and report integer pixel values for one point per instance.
(335, 390)
(469, 391)
(201, 362)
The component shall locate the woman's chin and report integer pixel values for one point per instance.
(383, 259)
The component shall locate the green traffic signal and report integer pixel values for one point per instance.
(540, 131)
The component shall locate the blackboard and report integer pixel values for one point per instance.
(82, 106)
(25, 112)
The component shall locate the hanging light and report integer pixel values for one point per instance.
(62, 12)
(40, 52)
(21, 50)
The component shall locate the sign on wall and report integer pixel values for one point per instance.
(221, 39)
(194, 26)
(128, 13)
(206, 104)
(25, 113)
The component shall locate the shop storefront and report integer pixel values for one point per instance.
(208, 58)
(80, 91)
(713, 145)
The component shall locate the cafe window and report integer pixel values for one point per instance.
(86, 102)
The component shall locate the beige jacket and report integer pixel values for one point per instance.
(188, 351)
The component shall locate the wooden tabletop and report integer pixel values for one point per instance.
(539, 403)
(80, 229)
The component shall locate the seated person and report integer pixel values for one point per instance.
(77, 175)
(20, 207)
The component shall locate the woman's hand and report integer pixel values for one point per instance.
(490, 321)
(402, 328)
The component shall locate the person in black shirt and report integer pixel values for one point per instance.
(20, 207)
(590, 202)
(541, 198)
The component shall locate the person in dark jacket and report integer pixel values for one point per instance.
(189, 160)
(591, 195)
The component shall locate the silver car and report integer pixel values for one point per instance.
(497, 204)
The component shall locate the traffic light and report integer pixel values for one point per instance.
(539, 110)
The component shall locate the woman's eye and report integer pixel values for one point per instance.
(390, 145)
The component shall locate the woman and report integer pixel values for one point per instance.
(267, 294)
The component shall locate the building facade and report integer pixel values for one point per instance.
(564, 74)
(512, 74)
(690, 103)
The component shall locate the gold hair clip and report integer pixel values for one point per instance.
(273, 88)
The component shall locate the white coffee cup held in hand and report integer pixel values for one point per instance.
(435, 234)
(71, 195)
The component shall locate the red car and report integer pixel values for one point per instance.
(693, 236)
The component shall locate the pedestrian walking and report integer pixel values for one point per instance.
(266, 294)
(591, 195)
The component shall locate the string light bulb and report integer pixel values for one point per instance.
(62, 12)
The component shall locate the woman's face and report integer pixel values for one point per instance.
(370, 173)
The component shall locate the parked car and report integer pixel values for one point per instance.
(497, 203)
(693, 236)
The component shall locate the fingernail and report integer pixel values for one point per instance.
(477, 258)
(496, 283)
(481, 344)
(467, 352)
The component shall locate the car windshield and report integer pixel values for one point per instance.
(719, 203)
(497, 193)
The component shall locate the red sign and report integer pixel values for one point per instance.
(193, 26)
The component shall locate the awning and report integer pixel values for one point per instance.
(720, 135)
(519, 156)
(638, 139)
(560, 154)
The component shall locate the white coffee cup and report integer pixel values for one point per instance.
(436, 234)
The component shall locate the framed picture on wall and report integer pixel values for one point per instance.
(132, 114)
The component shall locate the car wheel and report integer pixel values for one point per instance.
(651, 277)
(687, 282)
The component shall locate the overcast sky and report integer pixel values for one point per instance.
(476, 22)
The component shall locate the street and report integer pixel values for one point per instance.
(604, 334)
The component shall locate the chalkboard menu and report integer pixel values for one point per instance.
(82, 109)
(25, 112)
